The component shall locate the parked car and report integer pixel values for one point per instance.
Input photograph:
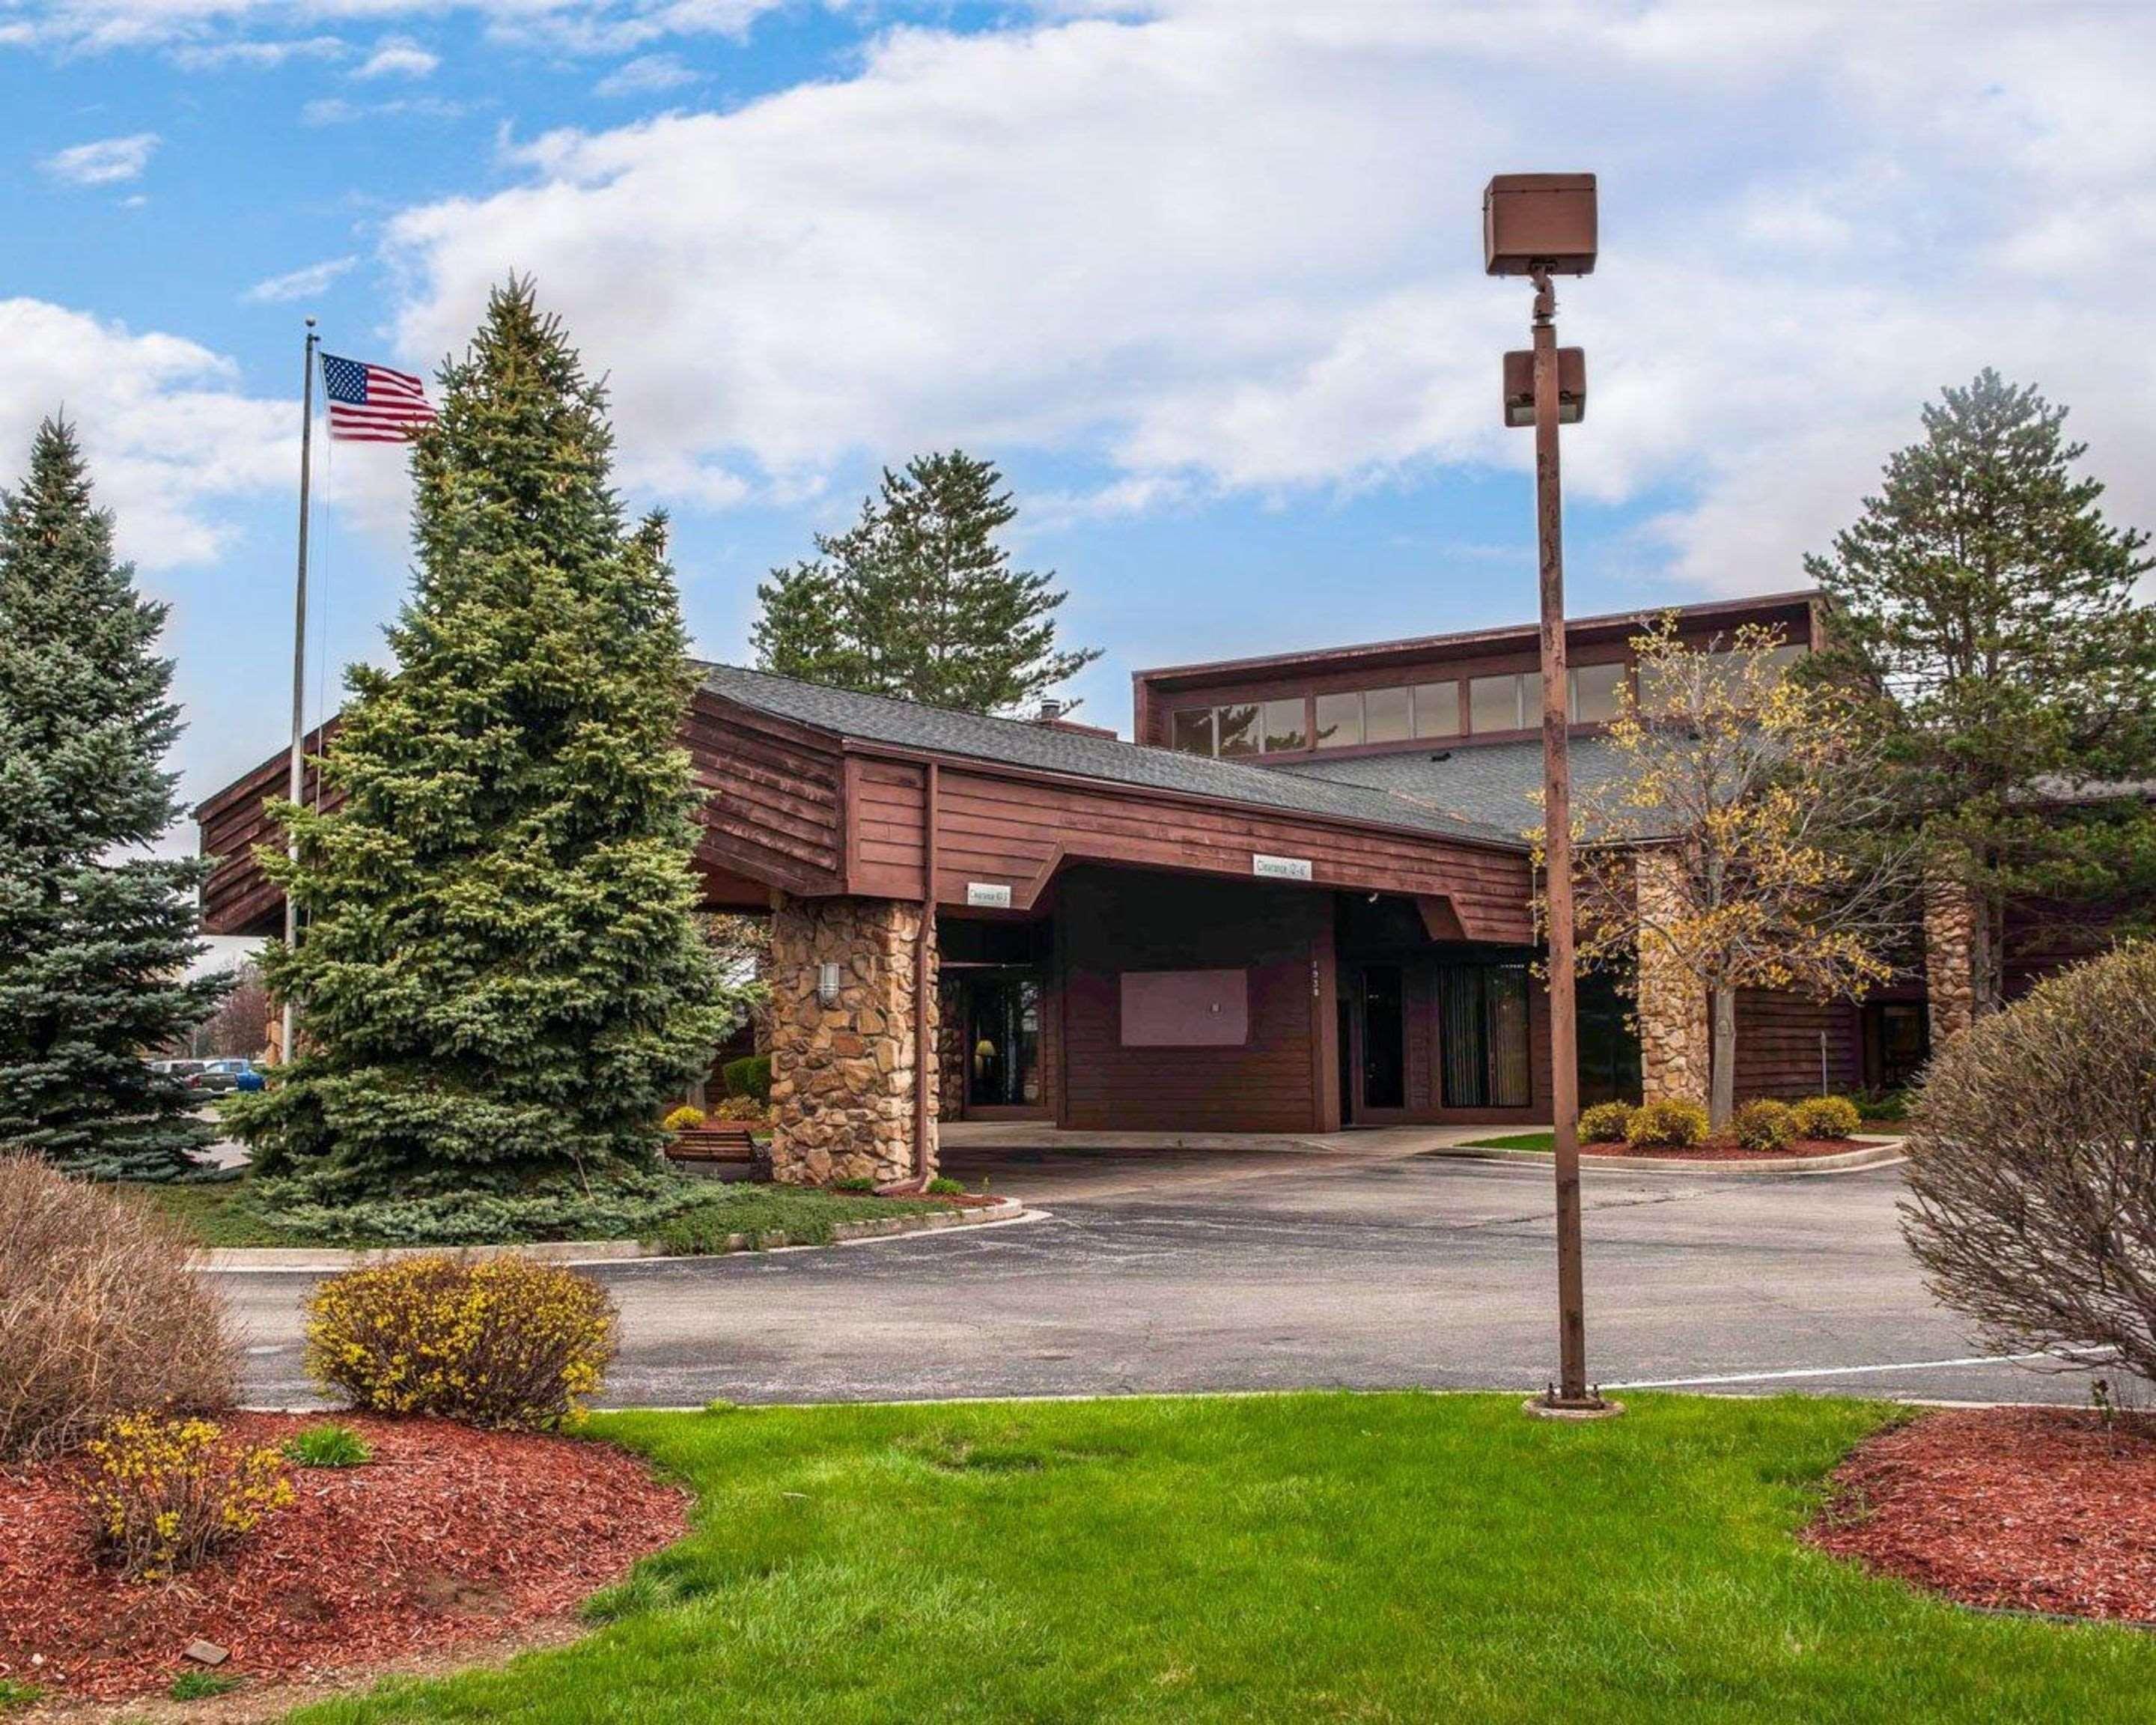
(187, 1071)
(223, 1074)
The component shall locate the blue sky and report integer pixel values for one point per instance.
(1202, 275)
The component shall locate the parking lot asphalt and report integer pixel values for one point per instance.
(1199, 1273)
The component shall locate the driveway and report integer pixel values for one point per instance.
(1211, 1270)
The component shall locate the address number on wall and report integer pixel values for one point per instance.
(1280, 868)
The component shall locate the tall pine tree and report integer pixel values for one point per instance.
(501, 975)
(1988, 610)
(95, 943)
(917, 598)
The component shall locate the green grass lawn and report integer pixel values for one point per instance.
(220, 1214)
(1515, 1141)
(1303, 1557)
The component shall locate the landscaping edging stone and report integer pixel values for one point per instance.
(1873, 1154)
(596, 1251)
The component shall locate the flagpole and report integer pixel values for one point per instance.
(291, 1049)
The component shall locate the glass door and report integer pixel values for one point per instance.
(1003, 1041)
(1385, 1038)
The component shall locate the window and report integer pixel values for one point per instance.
(1388, 716)
(1286, 725)
(1662, 689)
(1190, 731)
(1594, 693)
(1437, 710)
(1493, 704)
(1237, 727)
(1339, 721)
(1483, 1035)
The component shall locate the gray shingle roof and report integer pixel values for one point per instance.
(875, 718)
(1496, 784)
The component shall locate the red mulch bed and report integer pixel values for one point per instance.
(2027, 1509)
(448, 1535)
(1729, 1152)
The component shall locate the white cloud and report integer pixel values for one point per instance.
(105, 162)
(172, 440)
(1228, 245)
(301, 284)
(224, 27)
(647, 74)
(335, 111)
(255, 55)
(397, 57)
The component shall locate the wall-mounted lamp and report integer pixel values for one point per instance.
(827, 984)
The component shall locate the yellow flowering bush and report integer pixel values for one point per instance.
(164, 1494)
(1827, 1118)
(684, 1119)
(1671, 1123)
(743, 1111)
(502, 1341)
(1605, 1123)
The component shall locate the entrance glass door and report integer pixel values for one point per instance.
(1003, 1041)
(1385, 1038)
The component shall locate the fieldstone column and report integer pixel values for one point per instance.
(1954, 925)
(1671, 1005)
(842, 1075)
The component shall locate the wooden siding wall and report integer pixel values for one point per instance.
(1017, 832)
(1777, 1045)
(238, 898)
(1107, 924)
(773, 799)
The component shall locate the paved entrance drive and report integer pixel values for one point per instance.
(1349, 1263)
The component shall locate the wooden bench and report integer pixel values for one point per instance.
(718, 1143)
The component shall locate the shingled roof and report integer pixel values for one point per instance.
(1046, 748)
(1498, 784)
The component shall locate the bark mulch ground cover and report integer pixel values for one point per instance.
(2027, 1509)
(448, 1535)
(1729, 1152)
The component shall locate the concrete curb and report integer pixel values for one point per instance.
(1876, 1152)
(326, 1260)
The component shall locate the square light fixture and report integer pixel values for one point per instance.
(1539, 221)
(1520, 386)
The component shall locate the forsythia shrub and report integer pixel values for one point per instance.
(501, 1342)
(1605, 1123)
(683, 1120)
(1763, 1124)
(167, 1493)
(1827, 1118)
(1669, 1124)
(743, 1111)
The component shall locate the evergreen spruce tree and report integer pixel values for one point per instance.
(1987, 609)
(501, 975)
(918, 600)
(95, 943)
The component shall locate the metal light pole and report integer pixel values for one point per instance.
(1538, 225)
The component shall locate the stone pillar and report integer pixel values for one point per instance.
(1953, 925)
(842, 1076)
(1672, 1007)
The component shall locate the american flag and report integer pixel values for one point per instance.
(372, 404)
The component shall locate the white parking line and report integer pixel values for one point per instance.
(1911, 1365)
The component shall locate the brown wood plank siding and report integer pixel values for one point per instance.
(238, 898)
(1014, 832)
(773, 804)
(1778, 1045)
(1111, 924)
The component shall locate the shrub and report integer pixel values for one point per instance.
(1605, 1123)
(504, 1341)
(99, 1315)
(748, 1076)
(167, 1493)
(683, 1120)
(621, 1209)
(328, 1445)
(1827, 1118)
(743, 1111)
(1763, 1124)
(1669, 1124)
(943, 1186)
(853, 1183)
(2032, 1165)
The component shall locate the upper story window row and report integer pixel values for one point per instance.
(1415, 712)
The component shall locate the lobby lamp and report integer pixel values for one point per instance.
(1538, 226)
